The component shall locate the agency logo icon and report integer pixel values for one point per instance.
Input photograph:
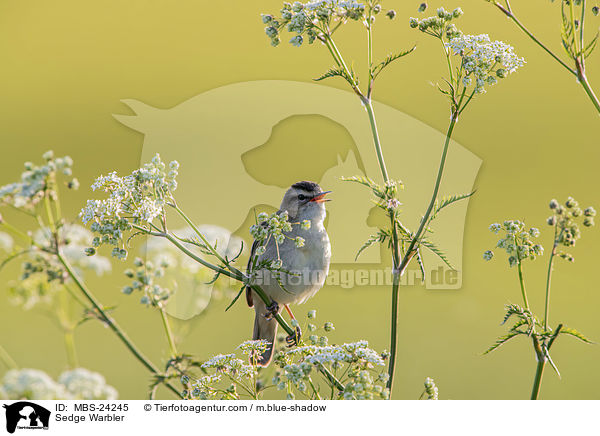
(25, 415)
(244, 144)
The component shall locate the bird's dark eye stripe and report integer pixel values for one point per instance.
(301, 197)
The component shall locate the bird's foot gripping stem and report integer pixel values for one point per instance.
(294, 339)
(272, 310)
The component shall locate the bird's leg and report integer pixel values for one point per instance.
(294, 338)
(272, 310)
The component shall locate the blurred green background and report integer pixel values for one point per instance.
(67, 64)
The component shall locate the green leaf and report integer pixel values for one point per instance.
(447, 201)
(352, 79)
(389, 59)
(236, 297)
(552, 364)
(502, 340)
(515, 309)
(332, 72)
(365, 181)
(435, 250)
(214, 279)
(575, 333)
(519, 323)
(404, 232)
(381, 236)
(421, 265)
(567, 34)
(590, 47)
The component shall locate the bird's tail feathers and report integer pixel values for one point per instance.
(265, 329)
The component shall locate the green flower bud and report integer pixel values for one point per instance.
(391, 14)
(413, 23)
(422, 7)
(595, 11)
(588, 221)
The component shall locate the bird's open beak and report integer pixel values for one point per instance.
(319, 198)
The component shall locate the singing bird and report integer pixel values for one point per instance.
(308, 265)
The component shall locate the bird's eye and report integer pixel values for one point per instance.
(301, 197)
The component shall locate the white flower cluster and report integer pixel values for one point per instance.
(203, 388)
(310, 19)
(295, 373)
(363, 386)
(431, 389)
(31, 384)
(83, 384)
(250, 348)
(357, 353)
(231, 365)
(75, 239)
(275, 227)
(77, 384)
(296, 370)
(144, 280)
(43, 276)
(438, 26)
(483, 61)
(37, 181)
(138, 198)
(6, 242)
(517, 241)
(565, 218)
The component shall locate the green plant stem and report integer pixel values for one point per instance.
(375, 133)
(113, 324)
(169, 332)
(581, 27)
(7, 360)
(68, 329)
(539, 371)
(549, 279)
(579, 71)
(317, 396)
(537, 382)
(583, 80)
(206, 242)
(510, 15)
(393, 330)
(15, 231)
(411, 251)
(522, 283)
(70, 347)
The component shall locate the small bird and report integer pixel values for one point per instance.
(308, 265)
